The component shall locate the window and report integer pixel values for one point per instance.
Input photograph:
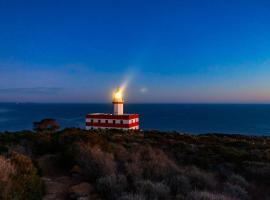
(92, 121)
(121, 121)
(106, 121)
(113, 121)
(99, 121)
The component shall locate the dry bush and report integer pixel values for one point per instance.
(7, 170)
(258, 170)
(150, 163)
(203, 195)
(179, 185)
(121, 156)
(132, 197)
(201, 179)
(235, 191)
(134, 168)
(94, 162)
(20, 149)
(179, 197)
(26, 184)
(112, 186)
(120, 153)
(23, 164)
(19, 179)
(225, 170)
(238, 180)
(153, 190)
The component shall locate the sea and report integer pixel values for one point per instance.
(247, 119)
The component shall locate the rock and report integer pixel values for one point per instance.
(49, 165)
(76, 169)
(81, 191)
(57, 188)
(49, 197)
(68, 181)
(83, 198)
(76, 173)
(54, 190)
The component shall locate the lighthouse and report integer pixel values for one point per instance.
(118, 102)
(117, 120)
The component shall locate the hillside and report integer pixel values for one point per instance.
(111, 164)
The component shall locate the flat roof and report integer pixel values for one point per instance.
(111, 116)
(126, 114)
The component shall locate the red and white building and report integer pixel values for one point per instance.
(117, 120)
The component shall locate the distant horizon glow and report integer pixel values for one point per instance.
(158, 52)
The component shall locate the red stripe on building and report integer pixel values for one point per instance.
(104, 116)
(117, 102)
(112, 125)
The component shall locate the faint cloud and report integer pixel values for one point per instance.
(143, 90)
(4, 110)
(3, 120)
(34, 90)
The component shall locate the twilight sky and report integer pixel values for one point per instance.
(178, 51)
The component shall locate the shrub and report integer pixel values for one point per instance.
(202, 195)
(235, 191)
(26, 184)
(179, 185)
(112, 186)
(201, 179)
(121, 156)
(134, 167)
(153, 190)
(179, 197)
(7, 170)
(238, 180)
(46, 125)
(132, 197)
(258, 170)
(150, 163)
(94, 162)
(225, 170)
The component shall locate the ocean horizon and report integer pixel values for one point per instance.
(246, 119)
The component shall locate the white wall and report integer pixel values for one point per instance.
(118, 109)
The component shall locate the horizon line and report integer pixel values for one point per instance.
(228, 103)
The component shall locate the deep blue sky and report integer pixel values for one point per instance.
(168, 51)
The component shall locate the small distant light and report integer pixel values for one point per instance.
(143, 90)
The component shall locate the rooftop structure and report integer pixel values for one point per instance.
(117, 120)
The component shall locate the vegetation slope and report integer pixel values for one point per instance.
(112, 164)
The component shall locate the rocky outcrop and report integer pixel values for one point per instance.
(61, 184)
(50, 166)
(80, 191)
(57, 188)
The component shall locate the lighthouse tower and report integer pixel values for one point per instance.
(117, 120)
(118, 102)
